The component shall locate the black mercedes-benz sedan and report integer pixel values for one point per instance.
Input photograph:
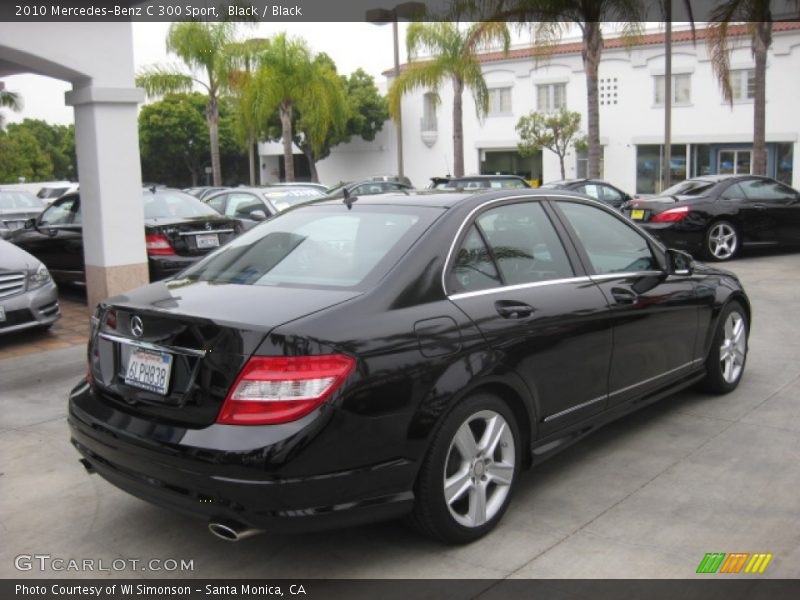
(362, 359)
(716, 215)
(178, 230)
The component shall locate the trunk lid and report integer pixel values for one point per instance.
(193, 236)
(206, 331)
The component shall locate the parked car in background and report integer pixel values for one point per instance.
(479, 182)
(201, 192)
(303, 184)
(52, 192)
(16, 207)
(366, 187)
(715, 216)
(28, 296)
(179, 230)
(250, 206)
(346, 362)
(594, 188)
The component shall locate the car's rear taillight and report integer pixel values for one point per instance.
(273, 390)
(158, 245)
(671, 215)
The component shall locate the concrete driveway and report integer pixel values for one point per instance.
(647, 496)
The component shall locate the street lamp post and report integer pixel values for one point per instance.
(381, 16)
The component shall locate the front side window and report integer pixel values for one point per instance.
(551, 96)
(762, 189)
(500, 101)
(681, 89)
(60, 213)
(611, 245)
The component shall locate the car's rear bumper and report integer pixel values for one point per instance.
(162, 267)
(206, 479)
(35, 308)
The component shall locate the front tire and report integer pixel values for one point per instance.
(466, 479)
(721, 241)
(728, 355)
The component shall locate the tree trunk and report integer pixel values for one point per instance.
(458, 128)
(592, 50)
(762, 39)
(251, 154)
(563, 171)
(312, 163)
(286, 132)
(212, 116)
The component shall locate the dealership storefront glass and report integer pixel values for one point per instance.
(707, 159)
(510, 162)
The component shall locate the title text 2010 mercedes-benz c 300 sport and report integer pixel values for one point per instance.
(357, 360)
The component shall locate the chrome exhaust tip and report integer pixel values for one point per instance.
(231, 531)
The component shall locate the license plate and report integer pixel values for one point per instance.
(637, 215)
(207, 240)
(149, 370)
(2, 314)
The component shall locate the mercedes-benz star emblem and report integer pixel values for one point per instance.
(208, 226)
(137, 327)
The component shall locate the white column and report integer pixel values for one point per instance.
(107, 146)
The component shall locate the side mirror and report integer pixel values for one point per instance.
(258, 215)
(679, 263)
(30, 223)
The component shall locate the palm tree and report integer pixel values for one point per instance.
(201, 46)
(241, 67)
(758, 23)
(550, 19)
(287, 77)
(453, 52)
(10, 100)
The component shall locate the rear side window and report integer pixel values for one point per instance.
(319, 246)
(523, 247)
(612, 246)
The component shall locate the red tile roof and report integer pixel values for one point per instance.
(650, 39)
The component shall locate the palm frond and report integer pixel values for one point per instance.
(427, 75)
(10, 100)
(158, 81)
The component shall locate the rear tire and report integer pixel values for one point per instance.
(728, 355)
(465, 483)
(721, 241)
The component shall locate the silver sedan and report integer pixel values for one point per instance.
(28, 296)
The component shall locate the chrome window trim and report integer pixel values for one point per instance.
(604, 276)
(150, 346)
(518, 286)
(468, 220)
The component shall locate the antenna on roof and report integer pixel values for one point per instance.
(348, 198)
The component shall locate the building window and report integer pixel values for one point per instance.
(500, 101)
(785, 159)
(650, 167)
(429, 113)
(743, 84)
(551, 96)
(681, 89)
(582, 163)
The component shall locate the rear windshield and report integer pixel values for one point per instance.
(170, 204)
(318, 246)
(690, 187)
(483, 183)
(284, 198)
(11, 200)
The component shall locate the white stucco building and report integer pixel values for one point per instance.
(708, 135)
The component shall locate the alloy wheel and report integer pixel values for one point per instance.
(479, 468)
(733, 348)
(722, 241)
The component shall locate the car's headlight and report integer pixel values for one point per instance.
(38, 278)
